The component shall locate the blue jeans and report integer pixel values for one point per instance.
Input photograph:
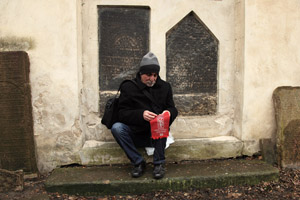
(125, 137)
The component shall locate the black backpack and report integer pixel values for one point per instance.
(110, 115)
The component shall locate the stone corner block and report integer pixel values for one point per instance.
(250, 147)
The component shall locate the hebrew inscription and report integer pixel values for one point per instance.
(16, 128)
(123, 40)
(192, 63)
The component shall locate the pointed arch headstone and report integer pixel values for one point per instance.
(192, 65)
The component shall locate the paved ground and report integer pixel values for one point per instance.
(287, 187)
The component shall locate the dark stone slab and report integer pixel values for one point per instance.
(287, 112)
(267, 146)
(123, 41)
(192, 63)
(192, 57)
(291, 144)
(16, 135)
(198, 104)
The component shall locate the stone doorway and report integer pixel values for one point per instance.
(16, 124)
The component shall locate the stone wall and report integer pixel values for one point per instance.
(258, 52)
(215, 121)
(48, 32)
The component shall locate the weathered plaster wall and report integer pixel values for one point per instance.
(165, 15)
(239, 31)
(272, 37)
(258, 52)
(47, 30)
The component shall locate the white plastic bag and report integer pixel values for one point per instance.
(170, 140)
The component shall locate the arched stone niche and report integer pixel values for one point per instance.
(192, 65)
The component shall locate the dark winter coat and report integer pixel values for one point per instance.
(133, 103)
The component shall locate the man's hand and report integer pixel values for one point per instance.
(148, 116)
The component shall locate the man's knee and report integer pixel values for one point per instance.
(116, 128)
(119, 130)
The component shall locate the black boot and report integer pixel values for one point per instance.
(159, 171)
(138, 170)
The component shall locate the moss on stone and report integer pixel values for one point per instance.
(16, 43)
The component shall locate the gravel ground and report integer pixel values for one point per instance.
(288, 187)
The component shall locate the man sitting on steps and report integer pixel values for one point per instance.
(136, 111)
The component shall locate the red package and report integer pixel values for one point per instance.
(160, 126)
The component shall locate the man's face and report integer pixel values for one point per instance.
(149, 79)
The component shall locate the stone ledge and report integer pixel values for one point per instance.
(99, 153)
(115, 179)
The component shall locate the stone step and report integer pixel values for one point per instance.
(116, 180)
(99, 153)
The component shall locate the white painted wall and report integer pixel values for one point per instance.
(272, 59)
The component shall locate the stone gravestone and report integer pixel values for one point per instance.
(192, 63)
(287, 112)
(123, 41)
(16, 126)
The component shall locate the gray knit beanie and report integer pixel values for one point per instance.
(149, 64)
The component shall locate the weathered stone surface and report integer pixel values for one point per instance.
(115, 179)
(187, 105)
(16, 44)
(123, 40)
(98, 153)
(291, 144)
(196, 104)
(287, 113)
(103, 99)
(267, 147)
(16, 136)
(11, 181)
(192, 63)
(192, 57)
(250, 147)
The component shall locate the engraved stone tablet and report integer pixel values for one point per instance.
(16, 129)
(287, 112)
(123, 41)
(192, 62)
